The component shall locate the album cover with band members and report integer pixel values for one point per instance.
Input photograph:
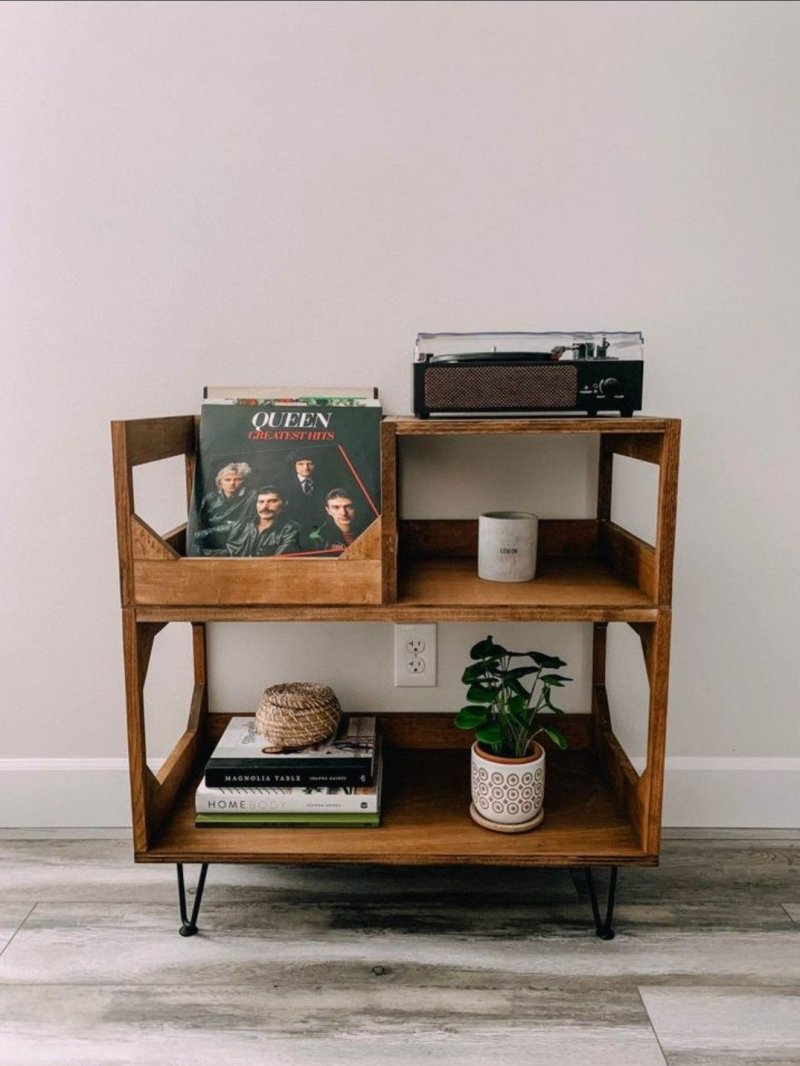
(292, 481)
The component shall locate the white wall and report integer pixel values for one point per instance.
(244, 192)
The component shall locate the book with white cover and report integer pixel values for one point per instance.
(242, 744)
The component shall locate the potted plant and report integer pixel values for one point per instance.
(508, 764)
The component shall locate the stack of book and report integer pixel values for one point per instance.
(334, 783)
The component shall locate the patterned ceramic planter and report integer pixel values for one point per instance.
(507, 794)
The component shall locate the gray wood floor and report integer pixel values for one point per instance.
(336, 967)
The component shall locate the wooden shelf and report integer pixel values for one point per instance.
(426, 822)
(572, 586)
(408, 425)
(587, 571)
(566, 589)
(599, 809)
(410, 610)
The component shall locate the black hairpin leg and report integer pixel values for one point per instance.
(189, 925)
(602, 928)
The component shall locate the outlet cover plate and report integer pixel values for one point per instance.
(415, 655)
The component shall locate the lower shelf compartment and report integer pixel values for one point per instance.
(426, 822)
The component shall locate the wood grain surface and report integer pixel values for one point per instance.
(407, 425)
(425, 821)
(598, 810)
(465, 967)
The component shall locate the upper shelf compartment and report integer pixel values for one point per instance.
(590, 569)
(155, 574)
(586, 570)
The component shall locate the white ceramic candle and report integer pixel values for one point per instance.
(507, 545)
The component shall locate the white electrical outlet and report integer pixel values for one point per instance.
(415, 655)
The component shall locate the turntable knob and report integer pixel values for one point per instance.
(607, 385)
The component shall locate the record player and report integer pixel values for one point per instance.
(502, 374)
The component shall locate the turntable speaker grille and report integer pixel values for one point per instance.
(496, 388)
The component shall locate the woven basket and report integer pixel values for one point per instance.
(298, 714)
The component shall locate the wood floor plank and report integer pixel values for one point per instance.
(570, 1047)
(349, 1025)
(731, 870)
(702, 1026)
(676, 895)
(707, 873)
(338, 1021)
(87, 943)
(104, 871)
(12, 915)
(302, 966)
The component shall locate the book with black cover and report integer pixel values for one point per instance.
(346, 760)
(254, 799)
(284, 480)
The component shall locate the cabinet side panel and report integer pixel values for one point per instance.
(605, 477)
(651, 783)
(389, 512)
(123, 501)
(667, 510)
(629, 556)
(150, 439)
(624, 780)
(137, 641)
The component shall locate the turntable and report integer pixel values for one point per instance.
(502, 374)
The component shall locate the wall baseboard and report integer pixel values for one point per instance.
(65, 793)
(729, 792)
(699, 792)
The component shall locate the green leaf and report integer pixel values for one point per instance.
(487, 649)
(479, 694)
(517, 710)
(472, 717)
(490, 734)
(517, 705)
(551, 662)
(517, 688)
(556, 736)
(550, 704)
(518, 671)
(554, 679)
(483, 649)
(473, 673)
